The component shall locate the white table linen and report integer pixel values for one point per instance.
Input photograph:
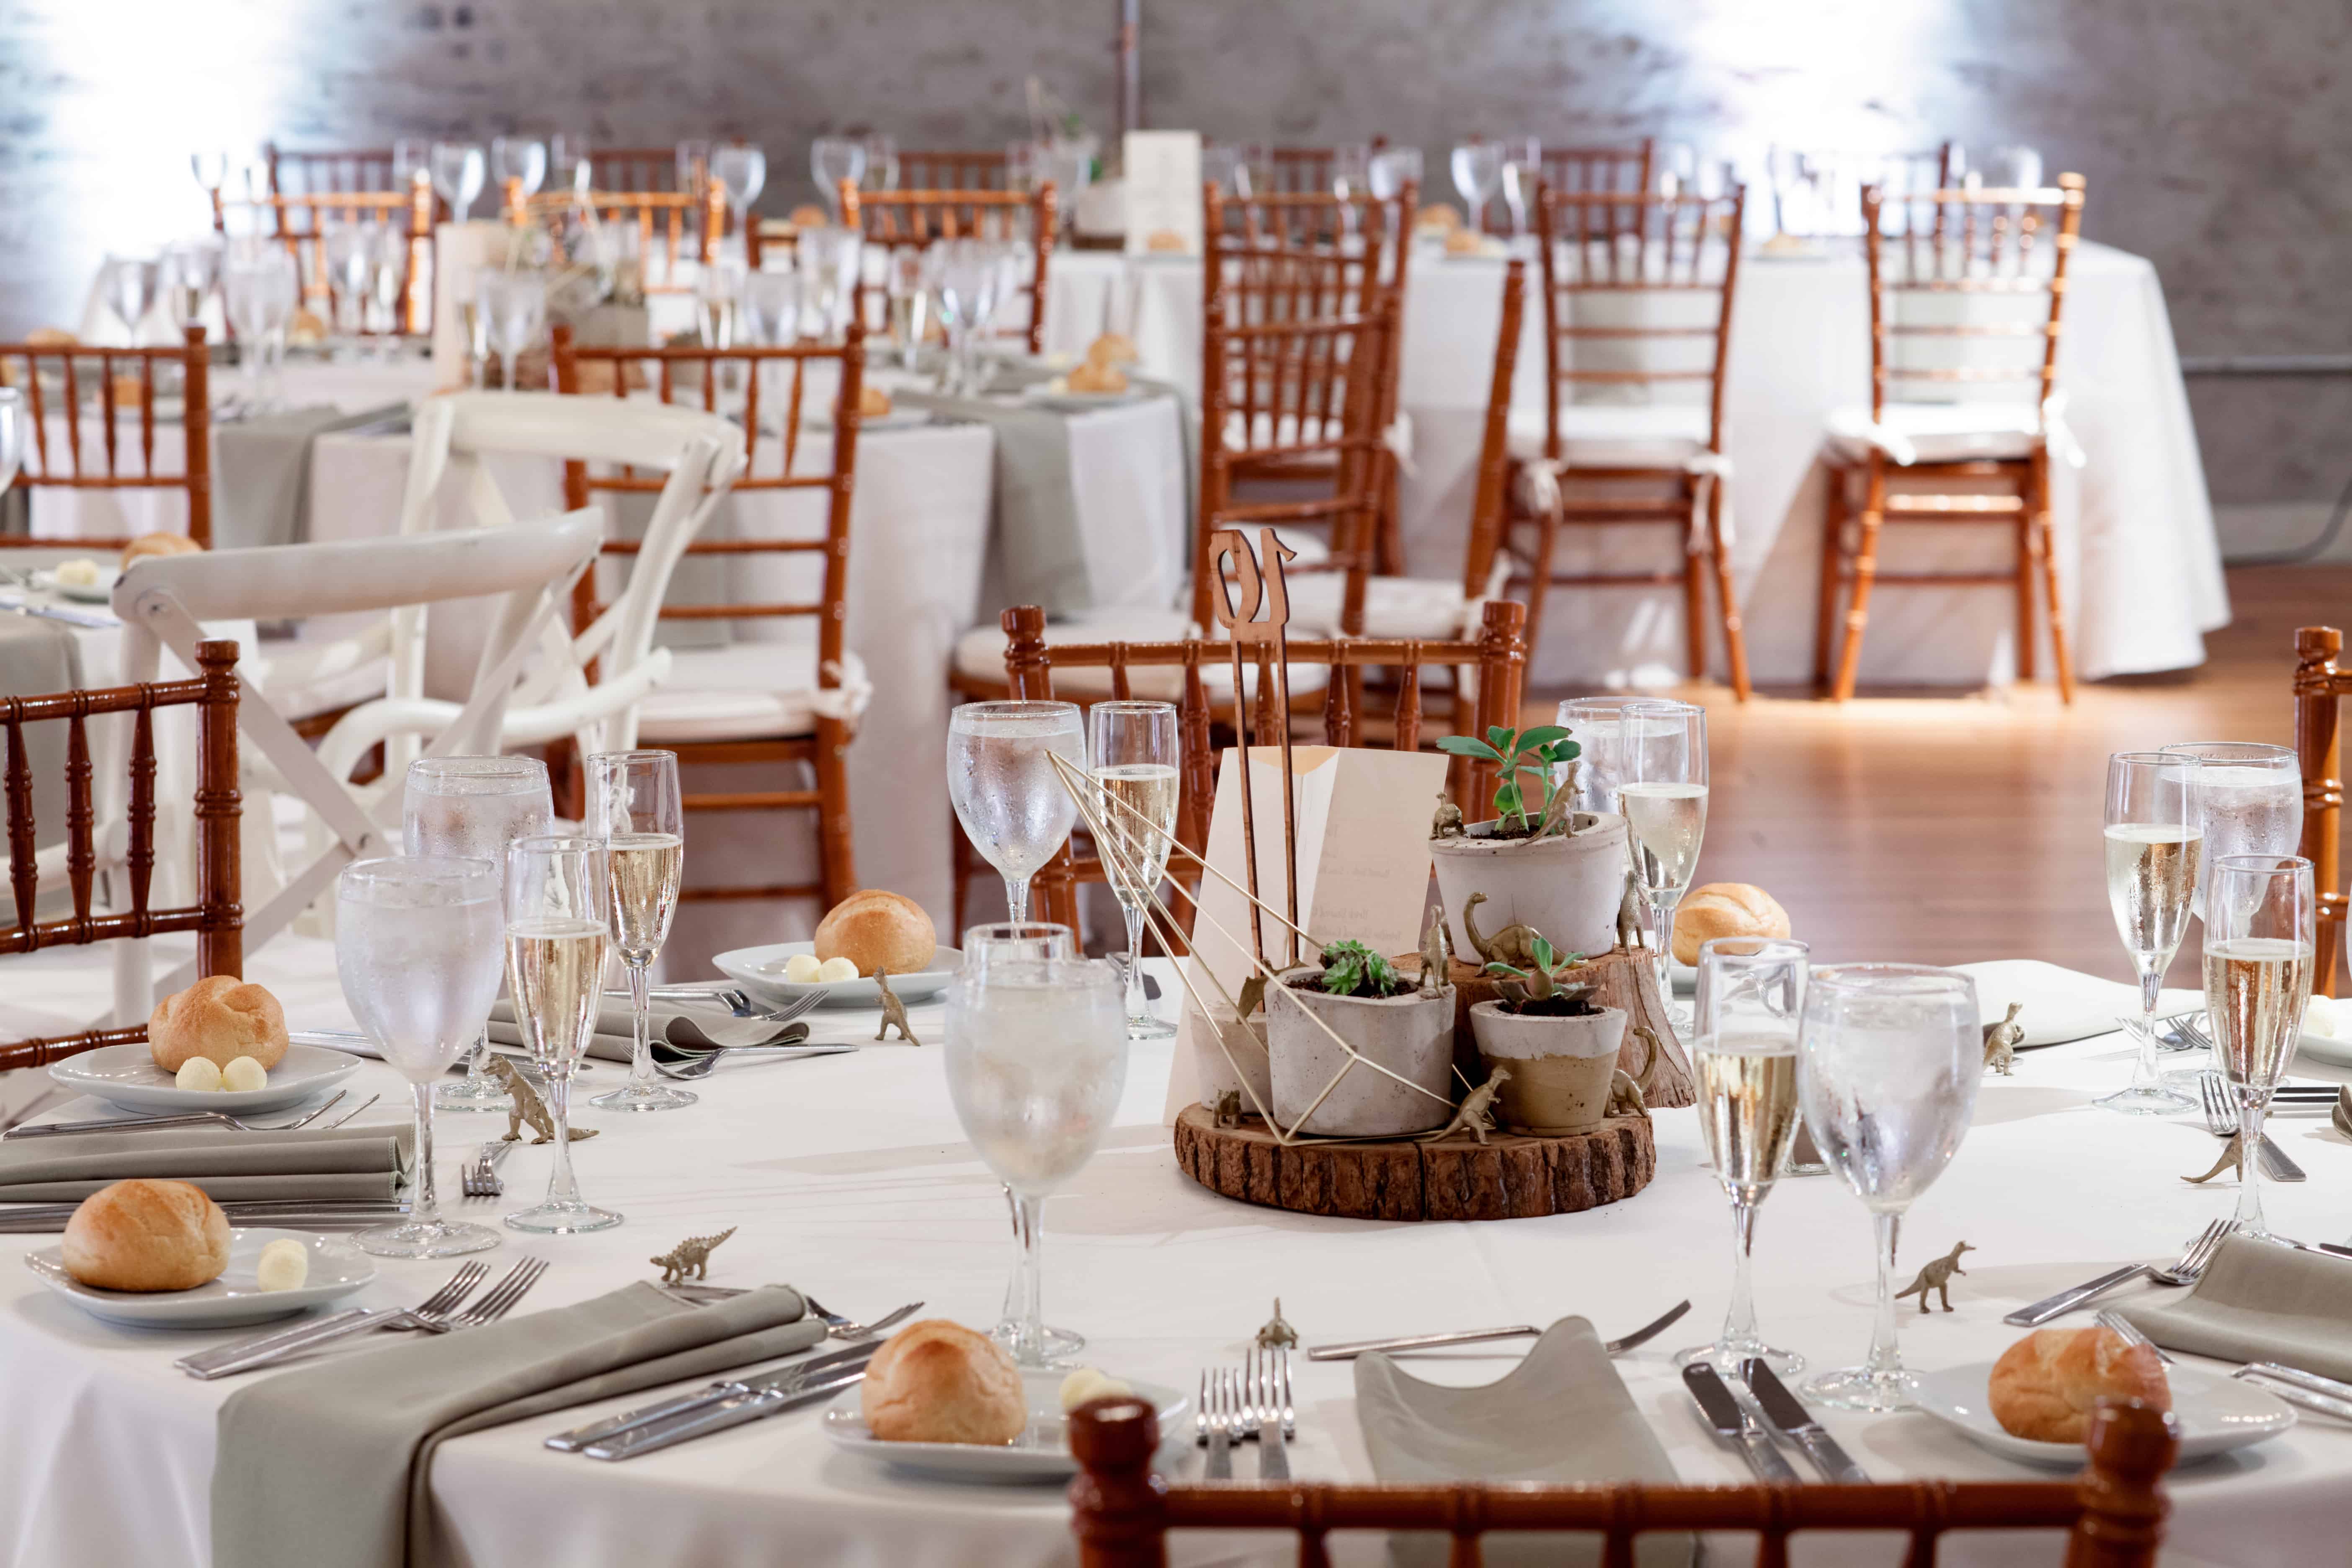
(849, 1175)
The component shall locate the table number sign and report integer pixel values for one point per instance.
(1162, 175)
(459, 251)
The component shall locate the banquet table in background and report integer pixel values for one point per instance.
(850, 1176)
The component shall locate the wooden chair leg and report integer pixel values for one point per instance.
(1547, 529)
(2048, 548)
(1833, 575)
(1735, 635)
(1694, 590)
(839, 861)
(1865, 567)
(2026, 652)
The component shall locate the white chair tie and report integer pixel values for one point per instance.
(846, 701)
(1537, 490)
(1398, 439)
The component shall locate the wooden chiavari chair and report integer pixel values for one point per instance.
(2112, 1514)
(1620, 170)
(945, 171)
(672, 226)
(638, 169)
(739, 703)
(1832, 184)
(78, 405)
(2319, 685)
(1978, 254)
(328, 171)
(300, 222)
(1637, 302)
(912, 217)
(216, 916)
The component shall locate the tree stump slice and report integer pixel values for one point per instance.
(1508, 1177)
(1622, 978)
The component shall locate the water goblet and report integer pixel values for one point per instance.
(2249, 801)
(1391, 170)
(2153, 843)
(522, 158)
(409, 155)
(417, 947)
(568, 165)
(833, 159)
(1069, 163)
(559, 934)
(130, 283)
(1477, 173)
(1891, 1058)
(210, 167)
(881, 161)
(457, 169)
(1225, 168)
(511, 306)
(1608, 728)
(742, 171)
(2260, 934)
(636, 812)
(1751, 1000)
(1522, 166)
(1663, 796)
(1009, 797)
(260, 290)
(191, 271)
(1135, 753)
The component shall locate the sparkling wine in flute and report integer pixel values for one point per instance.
(1141, 810)
(645, 869)
(2256, 988)
(555, 967)
(1748, 1104)
(2151, 883)
(1667, 821)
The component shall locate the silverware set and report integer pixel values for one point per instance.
(733, 999)
(700, 1062)
(436, 1314)
(1255, 1400)
(1349, 1351)
(2221, 1120)
(190, 1119)
(1739, 1422)
(2326, 1395)
(2187, 1271)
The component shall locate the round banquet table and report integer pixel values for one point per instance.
(849, 1176)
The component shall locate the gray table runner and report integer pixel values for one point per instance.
(360, 1163)
(261, 473)
(2259, 1301)
(333, 1463)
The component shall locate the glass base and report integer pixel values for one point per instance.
(1148, 1028)
(2147, 1102)
(1726, 1357)
(439, 1238)
(1859, 1388)
(562, 1219)
(470, 1094)
(647, 1097)
(1059, 1344)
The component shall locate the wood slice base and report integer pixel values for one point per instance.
(1508, 1177)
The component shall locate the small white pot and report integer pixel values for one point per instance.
(1412, 1036)
(1220, 1043)
(1560, 1068)
(1569, 888)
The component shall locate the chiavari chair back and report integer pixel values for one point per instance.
(775, 697)
(90, 417)
(1817, 195)
(301, 222)
(656, 230)
(328, 171)
(911, 218)
(951, 170)
(1967, 291)
(1638, 294)
(215, 915)
(638, 169)
(1625, 170)
(2112, 1514)
(2319, 686)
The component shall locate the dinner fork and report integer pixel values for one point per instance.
(182, 1118)
(1355, 1348)
(842, 1328)
(699, 1063)
(1218, 1419)
(1268, 1378)
(2221, 1120)
(2193, 1259)
(2110, 1319)
(481, 1177)
(260, 1350)
(496, 1302)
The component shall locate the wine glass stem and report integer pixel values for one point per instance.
(640, 1045)
(423, 1206)
(1739, 1321)
(2145, 1077)
(477, 1071)
(1137, 1001)
(507, 369)
(1885, 1356)
(1028, 1227)
(2250, 1165)
(1016, 899)
(1662, 904)
(562, 1187)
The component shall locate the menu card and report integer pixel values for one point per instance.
(459, 251)
(1161, 172)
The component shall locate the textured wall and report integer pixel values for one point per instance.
(2213, 134)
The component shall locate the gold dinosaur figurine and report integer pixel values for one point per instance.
(1937, 1277)
(1476, 1114)
(689, 1258)
(2002, 1040)
(1436, 953)
(2234, 1158)
(1514, 944)
(528, 1110)
(1277, 1334)
(1625, 1096)
(1447, 822)
(894, 1012)
(1229, 1109)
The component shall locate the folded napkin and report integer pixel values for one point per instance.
(344, 1163)
(261, 473)
(2062, 1004)
(1562, 1418)
(690, 1028)
(2259, 1301)
(333, 1463)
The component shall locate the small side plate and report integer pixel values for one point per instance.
(98, 593)
(2326, 1048)
(761, 971)
(127, 1075)
(1042, 1452)
(337, 1270)
(2216, 1415)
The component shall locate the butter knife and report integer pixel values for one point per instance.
(784, 1380)
(1734, 1425)
(735, 1411)
(1797, 1423)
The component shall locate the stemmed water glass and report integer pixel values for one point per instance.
(211, 169)
(636, 812)
(2153, 842)
(1009, 797)
(2260, 935)
(567, 161)
(417, 947)
(458, 176)
(190, 273)
(833, 159)
(1663, 796)
(474, 807)
(522, 158)
(1477, 173)
(881, 161)
(1069, 163)
(910, 300)
(1228, 169)
(1522, 166)
(967, 275)
(351, 259)
(1892, 1054)
(387, 277)
(1752, 999)
(1036, 1058)
(511, 306)
(1134, 748)
(1391, 169)
(559, 934)
(828, 259)
(1607, 729)
(130, 285)
(742, 171)
(2249, 801)
(259, 291)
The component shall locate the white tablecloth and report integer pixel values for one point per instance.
(2136, 553)
(849, 1175)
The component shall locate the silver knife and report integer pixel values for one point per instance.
(70, 617)
(2035, 1313)
(736, 1411)
(784, 1380)
(1734, 1425)
(1796, 1423)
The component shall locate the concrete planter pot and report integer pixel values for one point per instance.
(1412, 1036)
(1561, 1067)
(1569, 889)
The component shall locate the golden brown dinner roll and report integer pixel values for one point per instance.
(221, 1017)
(2044, 1386)
(938, 1382)
(874, 929)
(872, 402)
(1092, 376)
(1164, 239)
(148, 544)
(147, 1236)
(809, 216)
(1725, 908)
(1437, 216)
(1113, 348)
(50, 338)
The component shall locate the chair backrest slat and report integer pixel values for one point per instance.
(22, 878)
(53, 377)
(934, 170)
(140, 859)
(82, 853)
(2319, 756)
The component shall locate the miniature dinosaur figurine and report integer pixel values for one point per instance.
(1436, 953)
(1514, 944)
(894, 1012)
(528, 1110)
(2234, 1158)
(1251, 998)
(1229, 1109)
(1629, 914)
(1625, 1096)
(690, 1258)
(1476, 1114)
(1447, 822)
(1937, 1277)
(1277, 1334)
(2002, 1040)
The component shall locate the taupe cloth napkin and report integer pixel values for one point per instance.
(355, 1163)
(693, 1028)
(333, 1463)
(1562, 1416)
(261, 473)
(2259, 1301)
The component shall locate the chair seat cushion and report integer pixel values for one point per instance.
(746, 691)
(1614, 435)
(1427, 608)
(980, 658)
(1939, 432)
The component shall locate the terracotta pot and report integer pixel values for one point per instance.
(1561, 1067)
(1569, 889)
(1412, 1036)
(1214, 1067)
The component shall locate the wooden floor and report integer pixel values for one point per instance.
(1943, 829)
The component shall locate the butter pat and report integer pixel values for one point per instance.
(197, 1073)
(2320, 1017)
(1087, 1383)
(803, 969)
(837, 969)
(284, 1265)
(79, 573)
(243, 1075)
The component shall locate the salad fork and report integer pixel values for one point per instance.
(1268, 1381)
(2191, 1265)
(496, 1302)
(180, 1118)
(260, 1350)
(1216, 1420)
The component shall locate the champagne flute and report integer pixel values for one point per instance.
(833, 159)
(2260, 934)
(559, 934)
(511, 306)
(1008, 795)
(1135, 753)
(1522, 166)
(881, 161)
(637, 811)
(1891, 1058)
(191, 271)
(457, 168)
(350, 248)
(1663, 797)
(2153, 843)
(1751, 998)
(417, 947)
(473, 808)
(1035, 1058)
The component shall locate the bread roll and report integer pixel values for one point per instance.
(938, 1382)
(1439, 215)
(221, 1017)
(808, 215)
(874, 929)
(1164, 239)
(1093, 376)
(147, 1236)
(872, 402)
(158, 544)
(1113, 348)
(1725, 908)
(2045, 1386)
